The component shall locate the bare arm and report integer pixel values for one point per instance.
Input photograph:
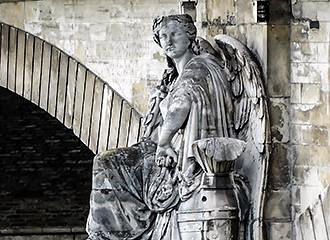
(175, 118)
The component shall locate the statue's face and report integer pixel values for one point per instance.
(174, 40)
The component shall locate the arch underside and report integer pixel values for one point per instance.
(45, 171)
(66, 89)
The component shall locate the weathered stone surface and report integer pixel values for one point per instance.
(298, 115)
(319, 218)
(315, 135)
(312, 10)
(278, 205)
(87, 107)
(37, 60)
(115, 121)
(279, 231)
(278, 72)
(44, 81)
(247, 12)
(295, 96)
(304, 197)
(135, 125)
(309, 134)
(12, 59)
(224, 13)
(79, 27)
(305, 175)
(279, 167)
(310, 52)
(324, 175)
(125, 119)
(301, 32)
(104, 121)
(305, 225)
(279, 118)
(79, 95)
(20, 62)
(70, 92)
(279, 12)
(4, 55)
(310, 93)
(53, 81)
(96, 115)
(255, 37)
(300, 154)
(295, 134)
(310, 113)
(10, 11)
(308, 72)
(62, 86)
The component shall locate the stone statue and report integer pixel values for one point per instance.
(200, 170)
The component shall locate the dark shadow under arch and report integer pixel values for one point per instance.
(45, 178)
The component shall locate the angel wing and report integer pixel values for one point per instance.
(250, 118)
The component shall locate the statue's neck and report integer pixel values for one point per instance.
(181, 62)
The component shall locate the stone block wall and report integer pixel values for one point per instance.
(310, 119)
(277, 209)
(112, 38)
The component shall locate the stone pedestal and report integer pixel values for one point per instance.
(212, 213)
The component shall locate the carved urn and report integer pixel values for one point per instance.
(213, 211)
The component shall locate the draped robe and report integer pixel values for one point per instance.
(132, 197)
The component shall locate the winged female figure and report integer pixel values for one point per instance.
(206, 92)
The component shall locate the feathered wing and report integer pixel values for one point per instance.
(250, 118)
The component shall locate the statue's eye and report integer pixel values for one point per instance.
(162, 36)
(177, 33)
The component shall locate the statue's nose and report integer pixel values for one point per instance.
(169, 40)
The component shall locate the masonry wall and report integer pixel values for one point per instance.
(113, 38)
(277, 212)
(310, 119)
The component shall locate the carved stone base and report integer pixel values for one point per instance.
(212, 212)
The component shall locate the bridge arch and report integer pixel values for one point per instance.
(68, 90)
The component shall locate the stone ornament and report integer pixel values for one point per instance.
(200, 170)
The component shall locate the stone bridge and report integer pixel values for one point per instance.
(66, 89)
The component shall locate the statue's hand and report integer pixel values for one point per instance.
(166, 156)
